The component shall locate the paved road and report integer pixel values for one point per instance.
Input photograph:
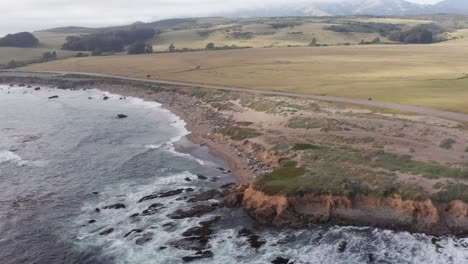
(394, 106)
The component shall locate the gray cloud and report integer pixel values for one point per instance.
(30, 15)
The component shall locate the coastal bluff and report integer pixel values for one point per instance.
(393, 212)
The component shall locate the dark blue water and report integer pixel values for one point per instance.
(60, 159)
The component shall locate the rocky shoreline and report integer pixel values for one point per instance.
(204, 123)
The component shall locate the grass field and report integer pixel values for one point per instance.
(48, 42)
(424, 75)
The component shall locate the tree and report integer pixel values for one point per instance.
(172, 48)
(22, 39)
(149, 49)
(210, 46)
(96, 52)
(11, 64)
(137, 48)
(109, 41)
(313, 42)
(416, 34)
(140, 47)
(47, 56)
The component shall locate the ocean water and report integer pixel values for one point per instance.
(62, 158)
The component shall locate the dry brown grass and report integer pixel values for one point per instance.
(425, 75)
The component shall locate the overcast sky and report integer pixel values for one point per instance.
(30, 15)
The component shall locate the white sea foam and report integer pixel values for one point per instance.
(8, 156)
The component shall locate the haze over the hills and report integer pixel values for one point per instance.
(29, 15)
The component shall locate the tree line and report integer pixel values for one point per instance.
(22, 40)
(112, 41)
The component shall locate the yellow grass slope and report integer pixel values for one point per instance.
(424, 75)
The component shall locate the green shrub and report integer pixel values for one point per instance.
(289, 163)
(240, 133)
(305, 147)
(447, 143)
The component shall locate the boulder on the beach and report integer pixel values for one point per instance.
(121, 116)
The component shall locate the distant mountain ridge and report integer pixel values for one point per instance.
(356, 7)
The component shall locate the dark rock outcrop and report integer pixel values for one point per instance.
(195, 211)
(115, 206)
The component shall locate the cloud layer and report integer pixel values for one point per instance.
(30, 15)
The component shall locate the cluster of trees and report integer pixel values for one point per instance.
(413, 35)
(113, 41)
(140, 47)
(22, 39)
(48, 56)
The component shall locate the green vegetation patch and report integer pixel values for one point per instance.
(244, 123)
(453, 191)
(289, 163)
(223, 106)
(447, 143)
(240, 133)
(303, 146)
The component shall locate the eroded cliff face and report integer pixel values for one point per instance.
(388, 212)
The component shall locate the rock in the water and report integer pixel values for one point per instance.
(161, 195)
(106, 98)
(106, 232)
(201, 177)
(342, 246)
(133, 231)
(154, 208)
(53, 97)
(205, 196)
(121, 116)
(253, 239)
(201, 231)
(144, 239)
(191, 243)
(196, 211)
(188, 179)
(115, 206)
(281, 260)
(37, 88)
(288, 239)
(92, 221)
(134, 215)
(199, 255)
(228, 186)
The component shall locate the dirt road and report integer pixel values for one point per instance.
(394, 106)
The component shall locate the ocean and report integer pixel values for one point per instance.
(73, 175)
